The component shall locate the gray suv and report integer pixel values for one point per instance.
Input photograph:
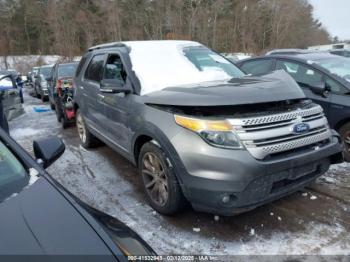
(198, 129)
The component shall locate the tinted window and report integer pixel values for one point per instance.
(114, 69)
(95, 68)
(304, 75)
(13, 176)
(335, 87)
(258, 67)
(66, 70)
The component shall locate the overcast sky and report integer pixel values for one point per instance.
(334, 15)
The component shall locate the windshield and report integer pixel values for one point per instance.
(45, 71)
(13, 176)
(67, 70)
(339, 66)
(161, 64)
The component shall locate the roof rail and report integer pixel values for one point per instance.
(108, 45)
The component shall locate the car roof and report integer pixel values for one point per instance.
(131, 44)
(69, 63)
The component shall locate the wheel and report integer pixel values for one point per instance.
(52, 106)
(36, 93)
(87, 139)
(344, 132)
(64, 122)
(160, 183)
(58, 114)
(43, 98)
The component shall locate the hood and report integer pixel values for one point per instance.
(39, 220)
(273, 87)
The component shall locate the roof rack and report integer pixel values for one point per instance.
(108, 45)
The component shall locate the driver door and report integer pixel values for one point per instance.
(116, 105)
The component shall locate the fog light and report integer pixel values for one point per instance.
(226, 199)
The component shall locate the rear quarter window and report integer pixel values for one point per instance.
(81, 65)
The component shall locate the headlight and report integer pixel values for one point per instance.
(219, 133)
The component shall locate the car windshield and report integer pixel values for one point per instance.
(13, 176)
(339, 66)
(161, 64)
(67, 70)
(45, 71)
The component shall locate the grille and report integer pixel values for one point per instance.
(271, 134)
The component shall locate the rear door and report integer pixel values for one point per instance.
(306, 76)
(93, 111)
(116, 104)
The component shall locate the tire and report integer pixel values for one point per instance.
(58, 114)
(87, 139)
(163, 192)
(64, 122)
(344, 132)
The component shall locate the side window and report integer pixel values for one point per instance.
(304, 75)
(335, 87)
(114, 69)
(95, 68)
(258, 67)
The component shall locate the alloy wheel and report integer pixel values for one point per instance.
(81, 128)
(155, 179)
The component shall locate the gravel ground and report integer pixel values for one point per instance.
(314, 221)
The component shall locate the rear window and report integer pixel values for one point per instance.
(66, 70)
(95, 68)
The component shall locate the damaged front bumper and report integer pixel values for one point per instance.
(228, 182)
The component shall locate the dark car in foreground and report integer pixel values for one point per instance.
(199, 129)
(41, 82)
(38, 217)
(324, 78)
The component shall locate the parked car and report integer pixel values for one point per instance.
(61, 92)
(41, 84)
(39, 217)
(341, 52)
(18, 81)
(324, 77)
(199, 129)
(10, 96)
(31, 76)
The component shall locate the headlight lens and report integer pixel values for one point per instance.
(219, 133)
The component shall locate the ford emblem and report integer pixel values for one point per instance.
(301, 128)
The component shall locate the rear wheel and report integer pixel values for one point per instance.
(160, 183)
(87, 139)
(344, 132)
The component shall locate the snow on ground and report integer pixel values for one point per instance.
(295, 225)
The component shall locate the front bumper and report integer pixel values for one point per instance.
(209, 175)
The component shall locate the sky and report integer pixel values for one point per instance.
(334, 15)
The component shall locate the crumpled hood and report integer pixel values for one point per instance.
(276, 86)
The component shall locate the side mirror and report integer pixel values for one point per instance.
(319, 89)
(48, 150)
(114, 86)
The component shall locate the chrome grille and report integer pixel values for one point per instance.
(266, 135)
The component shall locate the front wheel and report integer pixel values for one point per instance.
(344, 132)
(160, 183)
